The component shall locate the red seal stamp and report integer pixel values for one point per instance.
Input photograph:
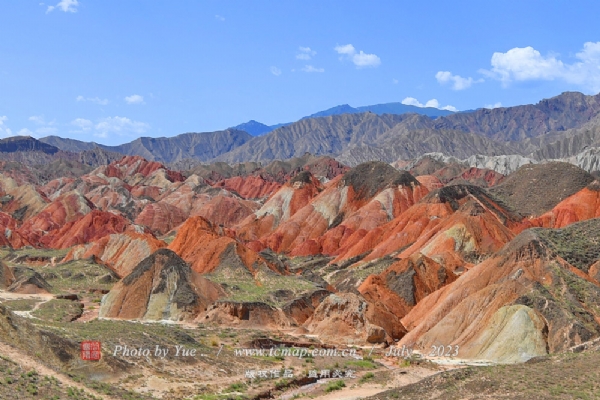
(90, 350)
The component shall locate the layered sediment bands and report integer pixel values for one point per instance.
(161, 287)
(21, 202)
(347, 210)
(467, 312)
(581, 206)
(480, 177)
(455, 220)
(226, 210)
(284, 204)
(63, 210)
(88, 228)
(250, 187)
(120, 252)
(246, 315)
(405, 283)
(515, 327)
(9, 236)
(343, 318)
(130, 166)
(430, 182)
(205, 247)
(160, 218)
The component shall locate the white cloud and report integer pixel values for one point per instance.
(4, 130)
(44, 127)
(46, 130)
(120, 126)
(527, 64)
(360, 59)
(411, 101)
(492, 106)
(310, 68)
(96, 100)
(83, 124)
(38, 119)
(134, 99)
(25, 132)
(306, 53)
(275, 71)
(458, 82)
(64, 5)
(366, 60)
(219, 18)
(346, 49)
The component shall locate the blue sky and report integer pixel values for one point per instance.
(111, 71)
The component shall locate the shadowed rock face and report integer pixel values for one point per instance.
(25, 143)
(406, 282)
(27, 280)
(161, 287)
(300, 309)
(6, 276)
(344, 317)
(246, 315)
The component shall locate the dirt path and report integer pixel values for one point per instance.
(42, 298)
(28, 363)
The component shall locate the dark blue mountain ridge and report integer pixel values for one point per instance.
(255, 128)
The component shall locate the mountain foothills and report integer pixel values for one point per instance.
(355, 229)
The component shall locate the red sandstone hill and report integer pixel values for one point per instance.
(346, 210)
(581, 206)
(86, 229)
(64, 209)
(129, 166)
(250, 187)
(280, 207)
(120, 252)
(427, 261)
(511, 307)
(207, 247)
(457, 220)
(160, 287)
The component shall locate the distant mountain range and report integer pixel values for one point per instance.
(256, 128)
(557, 128)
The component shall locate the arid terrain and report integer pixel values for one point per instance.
(423, 277)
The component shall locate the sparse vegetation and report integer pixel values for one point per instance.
(335, 385)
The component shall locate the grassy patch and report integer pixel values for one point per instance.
(578, 244)
(266, 287)
(21, 304)
(78, 276)
(58, 310)
(336, 385)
